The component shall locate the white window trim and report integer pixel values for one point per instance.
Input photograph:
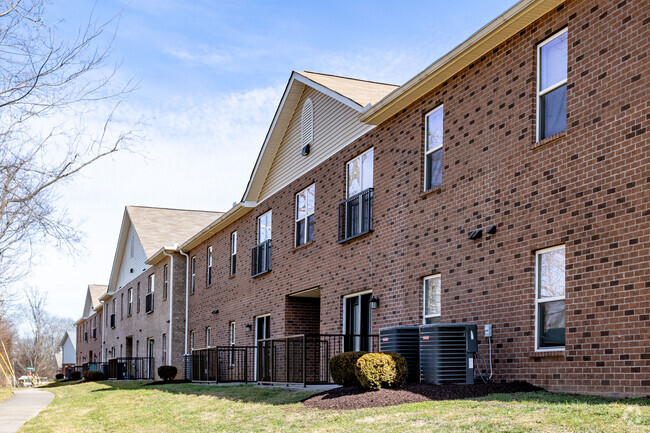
(269, 212)
(165, 281)
(208, 275)
(130, 301)
(426, 137)
(151, 283)
(305, 218)
(233, 251)
(208, 336)
(424, 293)
(538, 301)
(193, 272)
(191, 341)
(352, 295)
(542, 92)
(347, 172)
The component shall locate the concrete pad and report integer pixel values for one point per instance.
(23, 406)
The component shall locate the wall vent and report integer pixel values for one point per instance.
(307, 126)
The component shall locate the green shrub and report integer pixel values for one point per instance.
(342, 368)
(93, 376)
(59, 376)
(75, 375)
(167, 372)
(387, 369)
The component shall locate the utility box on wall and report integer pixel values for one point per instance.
(447, 353)
(405, 341)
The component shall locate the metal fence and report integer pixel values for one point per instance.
(222, 364)
(304, 359)
(130, 368)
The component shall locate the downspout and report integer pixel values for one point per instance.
(187, 293)
(171, 302)
(103, 335)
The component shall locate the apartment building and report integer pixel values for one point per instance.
(504, 185)
(89, 327)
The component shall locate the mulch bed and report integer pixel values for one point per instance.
(358, 398)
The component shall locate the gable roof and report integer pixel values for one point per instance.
(487, 38)
(157, 227)
(69, 335)
(356, 94)
(93, 293)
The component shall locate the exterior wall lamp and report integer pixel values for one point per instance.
(248, 328)
(374, 302)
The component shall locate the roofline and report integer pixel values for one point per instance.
(237, 211)
(112, 280)
(494, 33)
(352, 78)
(173, 208)
(295, 76)
(106, 296)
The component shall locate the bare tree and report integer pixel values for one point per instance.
(49, 86)
(38, 348)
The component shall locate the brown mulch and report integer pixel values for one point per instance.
(358, 398)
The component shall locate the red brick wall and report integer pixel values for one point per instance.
(93, 344)
(587, 189)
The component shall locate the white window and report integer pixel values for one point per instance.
(552, 85)
(359, 173)
(191, 340)
(232, 342)
(193, 266)
(431, 298)
(129, 310)
(150, 284)
(207, 336)
(433, 148)
(305, 215)
(264, 227)
(138, 300)
(209, 276)
(233, 253)
(307, 123)
(165, 280)
(550, 272)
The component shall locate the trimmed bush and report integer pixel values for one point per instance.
(342, 368)
(93, 376)
(387, 369)
(167, 372)
(59, 376)
(75, 375)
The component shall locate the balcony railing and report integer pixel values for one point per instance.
(355, 216)
(148, 303)
(129, 368)
(261, 259)
(112, 320)
(221, 364)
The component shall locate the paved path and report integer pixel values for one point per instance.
(23, 406)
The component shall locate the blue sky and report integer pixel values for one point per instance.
(211, 74)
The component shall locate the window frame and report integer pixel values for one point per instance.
(233, 253)
(129, 302)
(258, 226)
(208, 276)
(426, 316)
(431, 151)
(208, 336)
(164, 348)
(347, 173)
(539, 301)
(541, 92)
(232, 340)
(191, 341)
(138, 298)
(297, 220)
(193, 274)
(165, 281)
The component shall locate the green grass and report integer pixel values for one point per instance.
(5, 393)
(129, 406)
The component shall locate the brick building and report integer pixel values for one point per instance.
(506, 185)
(89, 327)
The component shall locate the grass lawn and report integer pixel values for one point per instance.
(5, 393)
(131, 407)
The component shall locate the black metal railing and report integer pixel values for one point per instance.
(355, 216)
(90, 366)
(261, 258)
(304, 359)
(222, 364)
(148, 303)
(68, 370)
(112, 320)
(131, 368)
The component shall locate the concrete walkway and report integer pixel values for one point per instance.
(23, 406)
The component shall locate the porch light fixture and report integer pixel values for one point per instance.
(248, 328)
(374, 302)
(215, 311)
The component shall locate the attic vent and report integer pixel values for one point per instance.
(307, 126)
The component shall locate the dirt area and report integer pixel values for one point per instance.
(358, 398)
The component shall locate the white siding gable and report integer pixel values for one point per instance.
(128, 262)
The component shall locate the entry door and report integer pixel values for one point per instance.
(358, 321)
(262, 331)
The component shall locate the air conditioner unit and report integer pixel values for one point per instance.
(404, 340)
(447, 353)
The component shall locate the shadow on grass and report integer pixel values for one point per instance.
(238, 393)
(61, 382)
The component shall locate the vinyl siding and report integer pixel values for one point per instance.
(335, 125)
(136, 262)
